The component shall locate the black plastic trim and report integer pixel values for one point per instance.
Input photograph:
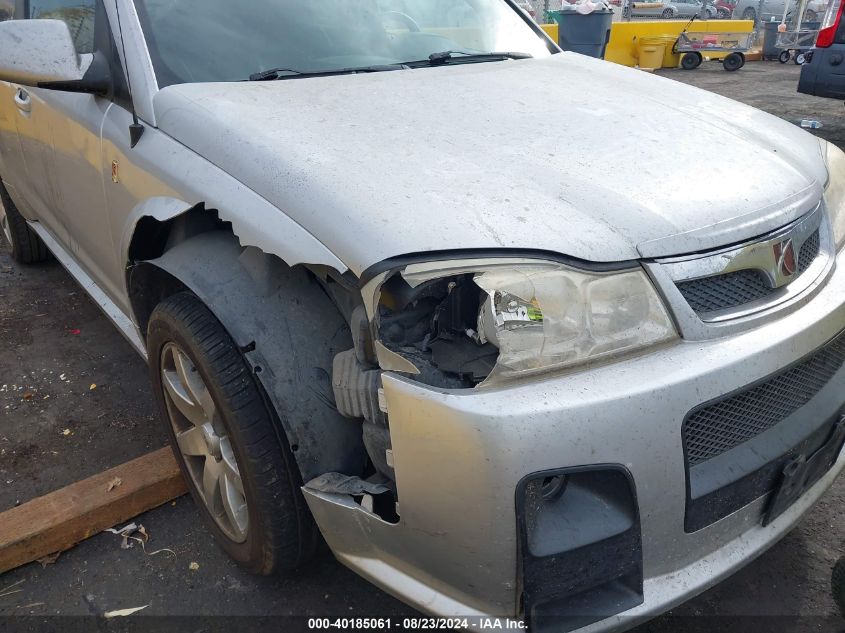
(97, 80)
(569, 589)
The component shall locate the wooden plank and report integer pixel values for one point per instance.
(61, 519)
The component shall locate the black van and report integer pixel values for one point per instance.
(823, 72)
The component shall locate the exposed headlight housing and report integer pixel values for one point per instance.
(497, 320)
(834, 193)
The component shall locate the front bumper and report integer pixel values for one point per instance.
(459, 458)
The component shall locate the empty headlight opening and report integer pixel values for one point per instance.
(463, 323)
(435, 326)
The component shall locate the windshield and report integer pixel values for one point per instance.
(221, 40)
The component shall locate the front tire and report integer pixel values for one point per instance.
(668, 14)
(239, 470)
(749, 14)
(27, 247)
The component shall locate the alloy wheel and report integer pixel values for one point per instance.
(204, 442)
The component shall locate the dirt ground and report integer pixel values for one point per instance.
(74, 400)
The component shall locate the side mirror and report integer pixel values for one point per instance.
(42, 53)
(39, 51)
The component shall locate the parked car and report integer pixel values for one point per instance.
(748, 9)
(724, 8)
(670, 10)
(822, 74)
(493, 394)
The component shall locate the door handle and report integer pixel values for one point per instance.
(23, 100)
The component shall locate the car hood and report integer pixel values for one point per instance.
(567, 154)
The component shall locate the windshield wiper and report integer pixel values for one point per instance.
(462, 57)
(290, 73)
(435, 59)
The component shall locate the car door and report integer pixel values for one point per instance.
(75, 122)
(773, 9)
(29, 171)
(690, 8)
(10, 148)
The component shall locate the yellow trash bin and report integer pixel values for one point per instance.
(670, 59)
(651, 51)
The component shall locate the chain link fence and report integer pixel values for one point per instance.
(648, 10)
(757, 10)
(541, 7)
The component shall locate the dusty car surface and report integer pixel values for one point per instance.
(378, 301)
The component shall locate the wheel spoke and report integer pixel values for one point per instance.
(188, 376)
(192, 442)
(211, 484)
(206, 402)
(181, 399)
(234, 505)
(230, 466)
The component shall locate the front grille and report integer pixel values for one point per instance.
(721, 426)
(809, 251)
(721, 292)
(731, 290)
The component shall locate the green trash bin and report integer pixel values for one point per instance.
(586, 34)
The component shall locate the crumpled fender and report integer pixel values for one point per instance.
(256, 223)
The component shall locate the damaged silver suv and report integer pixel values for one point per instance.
(381, 303)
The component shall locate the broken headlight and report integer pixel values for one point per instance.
(834, 193)
(495, 320)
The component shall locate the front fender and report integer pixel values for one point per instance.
(162, 179)
(259, 225)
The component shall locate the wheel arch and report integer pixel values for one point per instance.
(158, 222)
(287, 327)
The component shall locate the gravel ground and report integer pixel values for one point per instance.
(770, 86)
(74, 400)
